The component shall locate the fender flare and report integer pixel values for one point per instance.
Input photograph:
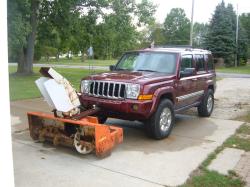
(157, 97)
(210, 83)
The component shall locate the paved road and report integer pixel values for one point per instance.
(139, 161)
(232, 75)
(67, 66)
(222, 75)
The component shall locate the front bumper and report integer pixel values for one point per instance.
(123, 109)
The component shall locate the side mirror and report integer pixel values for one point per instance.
(111, 67)
(187, 72)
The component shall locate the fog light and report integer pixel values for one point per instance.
(135, 107)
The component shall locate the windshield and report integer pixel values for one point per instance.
(148, 61)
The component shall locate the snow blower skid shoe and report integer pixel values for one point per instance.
(85, 134)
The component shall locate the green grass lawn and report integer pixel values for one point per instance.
(241, 69)
(203, 177)
(214, 179)
(23, 87)
(77, 61)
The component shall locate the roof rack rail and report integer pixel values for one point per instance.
(174, 46)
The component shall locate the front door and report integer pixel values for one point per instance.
(186, 88)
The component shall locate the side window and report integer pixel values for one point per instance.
(186, 62)
(200, 63)
(210, 62)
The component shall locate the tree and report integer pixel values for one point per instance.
(24, 14)
(244, 21)
(199, 34)
(59, 26)
(177, 27)
(243, 46)
(56, 25)
(145, 11)
(221, 38)
(118, 31)
(18, 27)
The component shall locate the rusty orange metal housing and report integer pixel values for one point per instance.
(105, 137)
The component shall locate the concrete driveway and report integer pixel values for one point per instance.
(138, 161)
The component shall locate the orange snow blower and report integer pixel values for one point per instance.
(75, 127)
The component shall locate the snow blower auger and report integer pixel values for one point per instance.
(70, 125)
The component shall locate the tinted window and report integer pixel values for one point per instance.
(186, 62)
(210, 62)
(200, 63)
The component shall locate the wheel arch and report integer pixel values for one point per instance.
(211, 86)
(160, 94)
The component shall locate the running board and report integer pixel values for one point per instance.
(187, 107)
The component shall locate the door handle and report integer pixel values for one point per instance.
(194, 79)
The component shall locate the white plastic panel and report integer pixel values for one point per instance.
(40, 84)
(58, 96)
(58, 77)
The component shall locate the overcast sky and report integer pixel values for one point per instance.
(203, 9)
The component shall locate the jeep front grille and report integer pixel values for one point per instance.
(107, 89)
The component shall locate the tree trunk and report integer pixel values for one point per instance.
(25, 64)
(47, 57)
(57, 56)
(21, 61)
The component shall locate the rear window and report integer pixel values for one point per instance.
(210, 62)
(200, 63)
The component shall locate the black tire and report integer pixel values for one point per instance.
(102, 119)
(154, 128)
(205, 109)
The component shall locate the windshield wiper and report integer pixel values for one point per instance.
(148, 70)
(119, 69)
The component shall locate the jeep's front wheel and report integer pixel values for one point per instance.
(102, 119)
(206, 106)
(161, 122)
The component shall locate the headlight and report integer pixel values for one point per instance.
(85, 86)
(132, 91)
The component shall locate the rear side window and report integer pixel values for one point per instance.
(210, 62)
(186, 62)
(200, 63)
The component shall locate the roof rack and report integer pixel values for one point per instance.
(174, 46)
(182, 47)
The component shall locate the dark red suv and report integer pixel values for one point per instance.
(153, 84)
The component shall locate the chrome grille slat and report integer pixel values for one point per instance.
(107, 89)
(94, 88)
(119, 91)
(113, 94)
(103, 84)
(98, 87)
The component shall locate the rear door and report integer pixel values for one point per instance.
(201, 73)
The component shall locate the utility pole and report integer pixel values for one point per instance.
(237, 36)
(191, 26)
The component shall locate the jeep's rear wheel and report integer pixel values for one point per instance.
(161, 122)
(206, 106)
